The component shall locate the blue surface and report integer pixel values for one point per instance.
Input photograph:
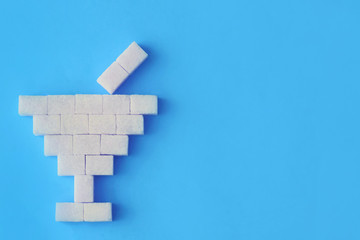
(259, 125)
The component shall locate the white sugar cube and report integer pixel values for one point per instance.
(144, 104)
(70, 165)
(102, 124)
(58, 145)
(83, 188)
(61, 104)
(129, 124)
(113, 77)
(114, 144)
(32, 105)
(97, 212)
(116, 104)
(86, 144)
(46, 124)
(99, 165)
(74, 124)
(88, 104)
(69, 212)
(132, 57)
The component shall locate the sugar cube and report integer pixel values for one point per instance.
(70, 165)
(97, 212)
(129, 124)
(83, 188)
(74, 124)
(102, 124)
(58, 144)
(61, 104)
(114, 144)
(113, 77)
(116, 104)
(46, 124)
(144, 104)
(88, 104)
(86, 144)
(32, 105)
(99, 165)
(69, 212)
(132, 57)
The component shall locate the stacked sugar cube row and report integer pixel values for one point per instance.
(85, 131)
(87, 124)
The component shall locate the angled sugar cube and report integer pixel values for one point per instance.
(129, 124)
(70, 165)
(74, 124)
(88, 104)
(61, 104)
(102, 124)
(69, 212)
(97, 212)
(114, 144)
(58, 144)
(83, 188)
(132, 57)
(116, 104)
(86, 144)
(32, 105)
(46, 124)
(99, 165)
(144, 104)
(113, 77)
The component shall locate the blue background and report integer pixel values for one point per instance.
(258, 130)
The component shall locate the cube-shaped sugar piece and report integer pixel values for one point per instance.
(129, 124)
(116, 104)
(86, 144)
(61, 104)
(69, 212)
(132, 57)
(97, 212)
(70, 165)
(46, 124)
(113, 77)
(99, 165)
(83, 188)
(58, 144)
(114, 144)
(144, 104)
(75, 124)
(32, 105)
(102, 124)
(88, 104)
